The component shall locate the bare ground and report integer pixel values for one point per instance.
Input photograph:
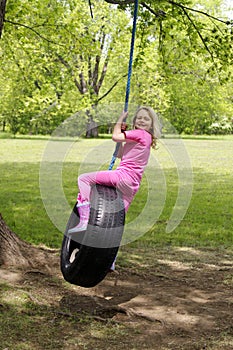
(163, 298)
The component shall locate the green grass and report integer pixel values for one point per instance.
(208, 221)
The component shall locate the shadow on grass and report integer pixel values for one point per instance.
(208, 220)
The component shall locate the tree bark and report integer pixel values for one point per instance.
(16, 252)
(92, 127)
(2, 15)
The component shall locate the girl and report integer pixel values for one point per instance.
(134, 157)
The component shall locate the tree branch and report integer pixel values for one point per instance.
(89, 70)
(2, 15)
(82, 83)
(103, 73)
(96, 72)
(111, 88)
(195, 10)
(66, 64)
(159, 13)
(33, 30)
(199, 33)
(185, 10)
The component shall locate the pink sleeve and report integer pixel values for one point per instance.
(138, 135)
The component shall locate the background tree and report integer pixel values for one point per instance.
(57, 60)
(194, 61)
(65, 61)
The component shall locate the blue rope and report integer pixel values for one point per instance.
(129, 76)
(131, 55)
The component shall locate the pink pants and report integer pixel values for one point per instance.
(113, 178)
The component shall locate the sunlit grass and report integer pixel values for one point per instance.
(208, 220)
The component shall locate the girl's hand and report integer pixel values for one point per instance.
(124, 126)
(118, 135)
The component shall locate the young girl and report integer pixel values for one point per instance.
(134, 157)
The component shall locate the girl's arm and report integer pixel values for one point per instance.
(120, 151)
(118, 135)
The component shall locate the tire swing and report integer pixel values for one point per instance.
(86, 257)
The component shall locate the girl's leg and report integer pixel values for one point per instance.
(84, 213)
(126, 204)
(85, 182)
(108, 178)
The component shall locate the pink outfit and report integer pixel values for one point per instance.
(127, 177)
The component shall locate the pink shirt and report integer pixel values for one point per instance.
(128, 175)
(136, 153)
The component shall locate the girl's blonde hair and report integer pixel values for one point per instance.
(155, 129)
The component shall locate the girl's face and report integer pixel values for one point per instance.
(143, 120)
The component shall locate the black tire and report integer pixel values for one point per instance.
(86, 257)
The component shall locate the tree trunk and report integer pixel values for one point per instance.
(15, 252)
(2, 14)
(92, 126)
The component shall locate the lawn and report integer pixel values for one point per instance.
(173, 289)
(208, 216)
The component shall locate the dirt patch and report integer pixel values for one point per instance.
(176, 298)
